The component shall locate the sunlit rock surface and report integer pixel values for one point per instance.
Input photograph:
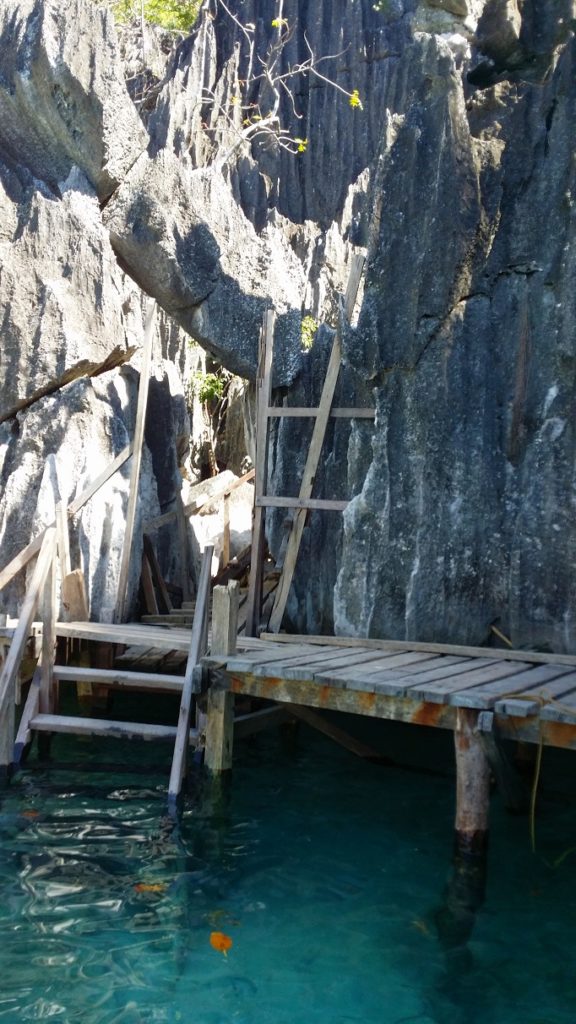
(456, 178)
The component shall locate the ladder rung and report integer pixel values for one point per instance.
(118, 677)
(102, 727)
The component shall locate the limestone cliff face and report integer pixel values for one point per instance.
(457, 180)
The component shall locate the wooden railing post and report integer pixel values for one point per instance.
(19, 640)
(220, 711)
(196, 651)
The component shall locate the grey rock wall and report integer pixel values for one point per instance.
(456, 178)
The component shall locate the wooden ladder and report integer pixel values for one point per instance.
(304, 502)
(40, 714)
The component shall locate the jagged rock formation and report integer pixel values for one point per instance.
(457, 178)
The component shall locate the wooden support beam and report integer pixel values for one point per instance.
(472, 780)
(184, 545)
(74, 597)
(195, 652)
(163, 597)
(310, 412)
(197, 506)
(23, 557)
(320, 504)
(466, 889)
(314, 452)
(63, 539)
(258, 721)
(263, 392)
(24, 734)
(19, 640)
(148, 587)
(47, 699)
(122, 597)
(220, 707)
(317, 721)
(225, 557)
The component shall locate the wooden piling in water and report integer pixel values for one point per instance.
(466, 888)
(220, 708)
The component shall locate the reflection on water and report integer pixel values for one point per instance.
(325, 873)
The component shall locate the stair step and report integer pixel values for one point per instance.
(177, 618)
(119, 678)
(103, 727)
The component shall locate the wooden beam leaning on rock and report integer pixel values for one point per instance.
(23, 557)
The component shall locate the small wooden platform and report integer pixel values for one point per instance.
(530, 697)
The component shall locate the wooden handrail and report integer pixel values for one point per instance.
(14, 657)
(196, 650)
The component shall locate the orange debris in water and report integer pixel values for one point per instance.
(150, 886)
(30, 814)
(220, 942)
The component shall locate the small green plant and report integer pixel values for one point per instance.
(308, 331)
(208, 387)
(173, 14)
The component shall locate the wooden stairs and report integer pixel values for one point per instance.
(40, 713)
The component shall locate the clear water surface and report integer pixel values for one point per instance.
(325, 871)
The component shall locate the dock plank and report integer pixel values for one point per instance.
(308, 666)
(369, 680)
(251, 660)
(503, 691)
(562, 707)
(442, 691)
(397, 681)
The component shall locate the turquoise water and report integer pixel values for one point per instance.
(325, 871)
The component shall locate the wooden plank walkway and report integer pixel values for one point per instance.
(527, 696)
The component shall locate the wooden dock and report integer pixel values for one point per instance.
(519, 695)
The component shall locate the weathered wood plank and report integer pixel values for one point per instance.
(258, 721)
(444, 690)
(122, 594)
(305, 411)
(309, 659)
(99, 481)
(24, 734)
(220, 702)
(530, 657)
(398, 681)
(163, 597)
(334, 732)
(31, 549)
(248, 661)
(194, 655)
(47, 696)
(372, 681)
(320, 504)
(197, 506)
(19, 640)
(561, 706)
(263, 392)
(314, 451)
(106, 727)
(148, 588)
(491, 693)
(400, 709)
(313, 665)
(63, 539)
(118, 678)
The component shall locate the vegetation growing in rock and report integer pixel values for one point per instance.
(308, 331)
(174, 14)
